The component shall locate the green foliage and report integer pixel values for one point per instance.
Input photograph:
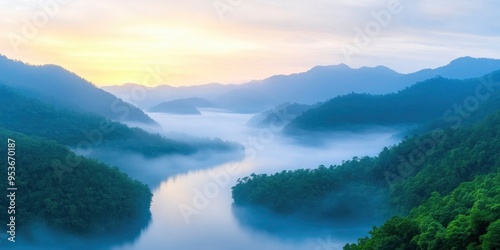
(305, 191)
(56, 86)
(88, 198)
(467, 218)
(448, 179)
(445, 159)
(491, 240)
(418, 104)
(87, 131)
(461, 155)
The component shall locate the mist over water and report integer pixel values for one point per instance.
(204, 187)
(192, 205)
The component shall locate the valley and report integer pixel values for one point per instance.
(290, 176)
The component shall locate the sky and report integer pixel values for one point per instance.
(192, 42)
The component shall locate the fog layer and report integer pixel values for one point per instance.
(192, 208)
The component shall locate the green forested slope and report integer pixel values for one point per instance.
(57, 86)
(403, 177)
(468, 218)
(87, 131)
(90, 197)
(418, 104)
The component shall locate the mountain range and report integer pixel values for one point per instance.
(436, 99)
(57, 86)
(89, 131)
(321, 83)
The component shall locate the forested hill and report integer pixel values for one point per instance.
(281, 114)
(87, 132)
(87, 198)
(56, 86)
(175, 107)
(468, 218)
(412, 175)
(417, 104)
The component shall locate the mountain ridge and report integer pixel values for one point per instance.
(424, 101)
(319, 83)
(57, 86)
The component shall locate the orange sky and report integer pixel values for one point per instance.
(194, 42)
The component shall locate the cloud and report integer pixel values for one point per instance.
(115, 41)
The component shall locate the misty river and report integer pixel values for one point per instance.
(193, 209)
(192, 204)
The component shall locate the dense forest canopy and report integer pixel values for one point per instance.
(420, 174)
(87, 131)
(63, 189)
(423, 102)
(468, 218)
(84, 199)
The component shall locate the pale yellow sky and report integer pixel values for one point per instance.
(192, 42)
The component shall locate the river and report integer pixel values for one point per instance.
(192, 208)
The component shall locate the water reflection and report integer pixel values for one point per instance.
(193, 209)
(296, 229)
(192, 204)
(39, 236)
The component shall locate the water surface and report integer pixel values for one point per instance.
(192, 208)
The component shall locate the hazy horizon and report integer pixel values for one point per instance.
(191, 43)
(250, 124)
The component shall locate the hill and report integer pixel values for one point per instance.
(88, 132)
(444, 183)
(56, 86)
(175, 108)
(437, 98)
(163, 93)
(325, 82)
(182, 106)
(279, 116)
(467, 218)
(318, 84)
(451, 164)
(88, 199)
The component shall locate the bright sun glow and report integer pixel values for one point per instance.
(190, 42)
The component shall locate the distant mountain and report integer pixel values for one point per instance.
(186, 106)
(151, 96)
(54, 85)
(195, 102)
(462, 68)
(325, 82)
(280, 115)
(174, 107)
(437, 98)
(318, 84)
